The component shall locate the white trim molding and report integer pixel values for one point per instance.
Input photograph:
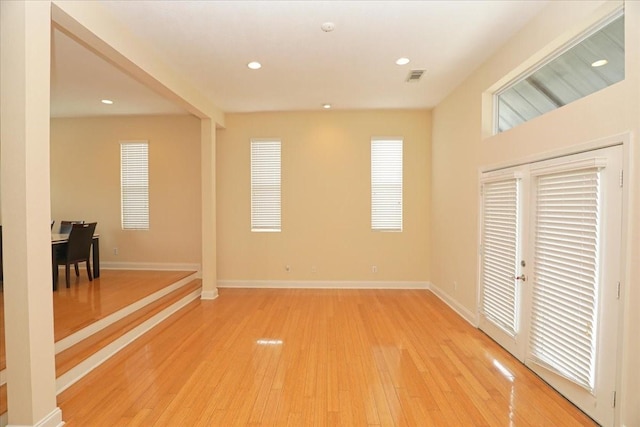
(320, 284)
(54, 419)
(155, 266)
(209, 295)
(464, 312)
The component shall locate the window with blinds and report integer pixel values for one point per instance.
(566, 274)
(265, 185)
(386, 184)
(500, 253)
(134, 185)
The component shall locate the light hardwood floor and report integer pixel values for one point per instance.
(315, 357)
(87, 302)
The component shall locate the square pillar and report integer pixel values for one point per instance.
(208, 171)
(25, 50)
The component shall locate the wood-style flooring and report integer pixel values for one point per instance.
(315, 358)
(87, 302)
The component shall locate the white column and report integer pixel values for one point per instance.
(208, 171)
(25, 32)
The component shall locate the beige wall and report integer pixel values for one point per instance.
(85, 184)
(460, 152)
(325, 198)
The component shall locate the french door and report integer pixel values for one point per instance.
(550, 271)
(502, 262)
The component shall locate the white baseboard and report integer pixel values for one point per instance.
(157, 266)
(76, 373)
(320, 284)
(455, 305)
(54, 419)
(209, 295)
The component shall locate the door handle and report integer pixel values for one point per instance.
(521, 277)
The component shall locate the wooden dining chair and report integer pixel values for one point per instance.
(78, 249)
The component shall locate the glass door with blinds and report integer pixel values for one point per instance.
(501, 266)
(550, 271)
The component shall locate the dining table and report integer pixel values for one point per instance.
(62, 238)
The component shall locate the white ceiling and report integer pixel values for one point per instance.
(352, 67)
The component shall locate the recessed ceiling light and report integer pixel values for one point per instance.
(326, 106)
(402, 61)
(107, 101)
(254, 65)
(599, 63)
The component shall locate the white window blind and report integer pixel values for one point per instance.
(265, 185)
(500, 253)
(134, 185)
(386, 184)
(566, 274)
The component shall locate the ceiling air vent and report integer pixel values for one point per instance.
(415, 75)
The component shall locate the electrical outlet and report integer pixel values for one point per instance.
(314, 269)
(115, 251)
(287, 268)
(374, 268)
(455, 285)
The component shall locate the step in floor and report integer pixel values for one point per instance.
(94, 319)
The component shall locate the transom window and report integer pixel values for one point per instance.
(593, 63)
